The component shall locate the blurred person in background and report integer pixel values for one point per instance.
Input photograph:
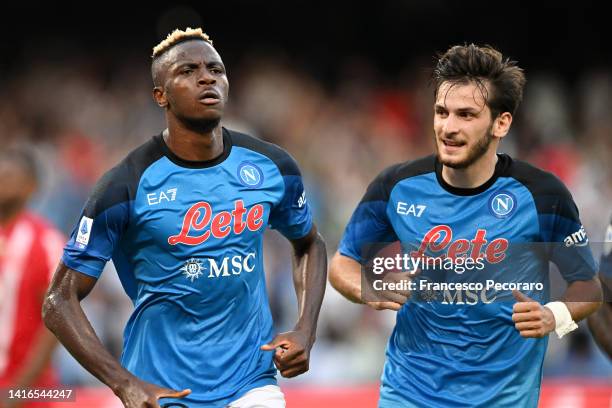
(600, 322)
(29, 250)
(183, 217)
(465, 199)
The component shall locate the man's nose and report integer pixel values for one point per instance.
(206, 78)
(451, 125)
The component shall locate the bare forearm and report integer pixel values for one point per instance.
(310, 277)
(583, 298)
(345, 277)
(38, 358)
(600, 324)
(64, 316)
(70, 325)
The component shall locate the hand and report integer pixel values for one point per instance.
(140, 394)
(393, 299)
(385, 305)
(530, 318)
(292, 353)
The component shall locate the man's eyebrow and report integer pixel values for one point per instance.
(215, 62)
(469, 110)
(181, 63)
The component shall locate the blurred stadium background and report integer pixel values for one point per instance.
(344, 88)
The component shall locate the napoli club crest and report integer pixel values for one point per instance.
(502, 204)
(250, 174)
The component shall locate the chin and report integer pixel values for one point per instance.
(204, 113)
(209, 112)
(454, 162)
(203, 123)
(210, 116)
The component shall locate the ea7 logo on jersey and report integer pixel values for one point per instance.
(158, 198)
(578, 238)
(414, 210)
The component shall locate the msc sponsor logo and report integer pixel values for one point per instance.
(200, 224)
(250, 174)
(219, 267)
(578, 238)
(502, 204)
(193, 269)
(412, 209)
(231, 265)
(454, 293)
(471, 298)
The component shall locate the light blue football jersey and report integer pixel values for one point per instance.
(461, 349)
(186, 240)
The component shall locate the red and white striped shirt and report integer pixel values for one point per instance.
(30, 249)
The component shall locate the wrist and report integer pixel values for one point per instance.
(563, 323)
(549, 320)
(308, 331)
(120, 384)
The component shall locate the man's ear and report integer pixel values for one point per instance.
(501, 124)
(160, 97)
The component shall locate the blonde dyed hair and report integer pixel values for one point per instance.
(178, 36)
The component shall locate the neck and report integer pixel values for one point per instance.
(474, 175)
(193, 144)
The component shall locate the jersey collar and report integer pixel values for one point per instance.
(503, 162)
(227, 147)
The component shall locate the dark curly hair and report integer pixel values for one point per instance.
(483, 65)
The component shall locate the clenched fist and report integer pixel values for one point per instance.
(530, 318)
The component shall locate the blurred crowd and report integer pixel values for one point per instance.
(83, 117)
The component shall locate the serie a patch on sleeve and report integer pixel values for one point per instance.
(84, 233)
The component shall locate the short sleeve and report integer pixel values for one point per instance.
(100, 226)
(369, 223)
(291, 216)
(562, 230)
